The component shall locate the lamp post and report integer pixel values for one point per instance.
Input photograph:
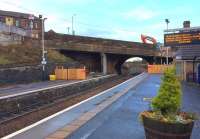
(73, 31)
(43, 62)
(167, 22)
(167, 59)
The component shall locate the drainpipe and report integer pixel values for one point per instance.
(193, 67)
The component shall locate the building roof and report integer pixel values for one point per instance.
(16, 14)
(188, 52)
(182, 29)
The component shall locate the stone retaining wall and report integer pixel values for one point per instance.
(27, 74)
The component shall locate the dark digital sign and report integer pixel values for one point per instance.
(179, 39)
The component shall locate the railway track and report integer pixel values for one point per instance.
(15, 120)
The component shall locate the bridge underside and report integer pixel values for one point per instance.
(106, 62)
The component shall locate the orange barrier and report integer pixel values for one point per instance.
(70, 74)
(81, 74)
(61, 73)
(153, 69)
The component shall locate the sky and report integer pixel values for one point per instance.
(114, 19)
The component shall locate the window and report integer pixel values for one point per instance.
(9, 21)
(31, 24)
(1, 19)
(36, 25)
(23, 23)
(36, 36)
(17, 23)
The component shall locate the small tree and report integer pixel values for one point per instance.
(168, 100)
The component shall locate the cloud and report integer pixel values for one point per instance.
(14, 5)
(20, 6)
(54, 22)
(140, 13)
(122, 34)
(75, 1)
(158, 26)
(57, 19)
(112, 33)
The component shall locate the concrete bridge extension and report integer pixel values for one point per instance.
(101, 55)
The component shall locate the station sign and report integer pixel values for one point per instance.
(183, 38)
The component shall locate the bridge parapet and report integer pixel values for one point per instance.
(51, 35)
(126, 50)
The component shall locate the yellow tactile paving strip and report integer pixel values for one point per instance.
(64, 132)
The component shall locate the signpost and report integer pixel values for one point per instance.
(43, 62)
(182, 38)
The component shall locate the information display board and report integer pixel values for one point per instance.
(179, 39)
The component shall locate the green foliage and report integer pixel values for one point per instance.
(4, 60)
(22, 54)
(55, 56)
(168, 100)
(155, 46)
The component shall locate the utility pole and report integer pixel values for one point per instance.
(43, 62)
(73, 31)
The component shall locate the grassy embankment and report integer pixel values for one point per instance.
(20, 54)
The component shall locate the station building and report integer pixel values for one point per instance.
(185, 42)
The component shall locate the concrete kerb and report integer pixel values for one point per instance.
(84, 118)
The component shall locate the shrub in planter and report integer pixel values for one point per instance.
(165, 121)
(168, 100)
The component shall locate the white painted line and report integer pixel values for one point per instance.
(65, 110)
(51, 87)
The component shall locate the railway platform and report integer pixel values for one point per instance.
(112, 114)
(51, 124)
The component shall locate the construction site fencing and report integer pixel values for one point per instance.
(158, 69)
(70, 73)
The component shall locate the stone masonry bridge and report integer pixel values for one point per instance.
(101, 55)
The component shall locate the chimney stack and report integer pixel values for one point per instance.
(186, 24)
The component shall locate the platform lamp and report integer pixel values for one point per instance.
(43, 62)
(167, 22)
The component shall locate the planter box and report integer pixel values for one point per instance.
(160, 130)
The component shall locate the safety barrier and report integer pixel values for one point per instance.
(70, 74)
(156, 69)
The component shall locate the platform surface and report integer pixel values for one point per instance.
(53, 124)
(120, 119)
